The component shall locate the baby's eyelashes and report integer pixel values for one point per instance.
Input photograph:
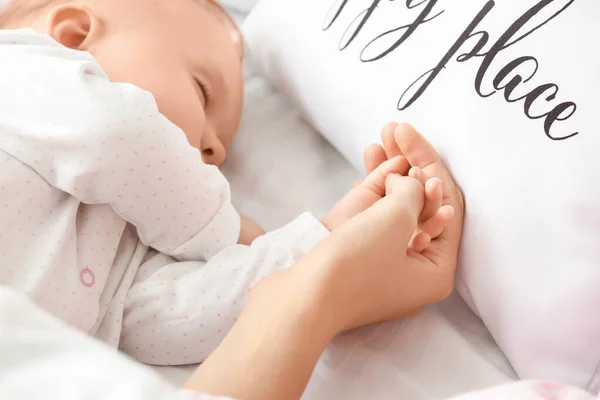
(203, 92)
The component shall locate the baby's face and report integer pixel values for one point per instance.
(187, 53)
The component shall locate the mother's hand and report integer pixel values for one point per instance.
(365, 272)
(361, 274)
(371, 275)
(404, 141)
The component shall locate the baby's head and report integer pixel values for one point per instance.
(187, 53)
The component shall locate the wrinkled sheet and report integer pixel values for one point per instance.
(37, 347)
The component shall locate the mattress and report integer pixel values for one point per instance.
(279, 167)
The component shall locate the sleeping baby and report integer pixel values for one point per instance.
(114, 115)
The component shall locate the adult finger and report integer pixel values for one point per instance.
(435, 225)
(374, 156)
(420, 153)
(390, 146)
(419, 242)
(442, 251)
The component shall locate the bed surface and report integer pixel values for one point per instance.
(280, 167)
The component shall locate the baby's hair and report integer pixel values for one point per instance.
(17, 10)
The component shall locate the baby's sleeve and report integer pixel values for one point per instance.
(178, 312)
(66, 364)
(107, 143)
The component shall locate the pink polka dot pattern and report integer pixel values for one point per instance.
(109, 219)
(178, 313)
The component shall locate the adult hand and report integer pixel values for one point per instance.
(404, 142)
(361, 274)
(372, 275)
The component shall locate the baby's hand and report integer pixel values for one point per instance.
(364, 194)
(249, 231)
(434, 217)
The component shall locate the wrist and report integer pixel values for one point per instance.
(330, 289)
(249, 231)
(318, 292)
(273, 348)
(325, 222)
(300, 301)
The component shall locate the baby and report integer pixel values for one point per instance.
(114, 115)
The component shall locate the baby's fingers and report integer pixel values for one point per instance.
(375, 181)
(418, 174)
(433, 193)
(435, 225)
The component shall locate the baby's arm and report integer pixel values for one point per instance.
(106, 143)
(249, 231)
(178, 312)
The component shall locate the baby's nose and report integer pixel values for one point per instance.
(213, 151)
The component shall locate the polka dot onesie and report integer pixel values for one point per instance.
(108, 217)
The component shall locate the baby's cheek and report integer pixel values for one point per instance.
(194, 125)
(190, 119)
(194, 139)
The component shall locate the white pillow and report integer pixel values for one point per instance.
(239, 6)
(525, 153)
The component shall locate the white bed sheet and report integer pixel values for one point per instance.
(279, 167)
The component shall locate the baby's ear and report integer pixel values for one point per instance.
(72, 25)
